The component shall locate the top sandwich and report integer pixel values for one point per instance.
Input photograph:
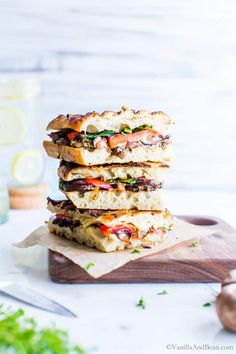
(110, 137)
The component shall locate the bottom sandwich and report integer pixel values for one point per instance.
(106, 230)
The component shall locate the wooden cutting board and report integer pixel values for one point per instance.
(210, 261)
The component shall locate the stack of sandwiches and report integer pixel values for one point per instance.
(111, 173)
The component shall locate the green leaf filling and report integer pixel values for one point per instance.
(142, 127)
(106, 133)
(118, 180)
(103, 134)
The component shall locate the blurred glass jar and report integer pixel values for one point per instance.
(21, 129)
(4, 201)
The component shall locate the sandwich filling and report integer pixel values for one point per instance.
(107, 227)
(117, 142)
(122, 185)
(127, 233)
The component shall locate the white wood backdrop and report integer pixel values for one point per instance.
(172, 55)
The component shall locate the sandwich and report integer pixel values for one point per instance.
(108, 230)
(110, 137)
(115, 186)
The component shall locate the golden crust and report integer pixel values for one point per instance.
(70, 171)
(64, 152)
(82, 156)
(79, 122)
(66, 207)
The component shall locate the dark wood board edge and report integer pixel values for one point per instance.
(187, 272)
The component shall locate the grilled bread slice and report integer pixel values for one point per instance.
(109, 231)
(150, 170)
(83, 156)
(110, 137)
(118, 186)
(109, 120)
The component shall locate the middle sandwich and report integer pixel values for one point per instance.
(115, 186)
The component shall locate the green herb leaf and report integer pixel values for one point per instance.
(61, 184)
(129, 180)
(207, 304)
(89, 265)
(135, 251)
(142, 127)
(20, 334)
(118, 180)
(141, 303)
(194, 244)
(104, 133)
(127, 130)
(164, 292)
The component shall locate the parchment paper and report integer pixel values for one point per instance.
(106, 262)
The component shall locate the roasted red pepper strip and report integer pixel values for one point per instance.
(106, 230)
(72, 135)
(119, 139)
(98, 183)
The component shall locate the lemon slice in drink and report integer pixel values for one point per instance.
(12, 125)
(27, 167)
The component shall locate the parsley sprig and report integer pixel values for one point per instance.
(20, 334)
(141, 303)
(163, 292)
(194, 244)
(89, 265)
(135, 250)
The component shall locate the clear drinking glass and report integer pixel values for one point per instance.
(4, 200)
(21, 131)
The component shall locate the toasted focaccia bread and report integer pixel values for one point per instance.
(154, 200)
(109, 120)
(109, 230)
(86, 157)
(150, 170)
(110, 137)
(134, 185)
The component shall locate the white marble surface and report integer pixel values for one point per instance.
(108, 320)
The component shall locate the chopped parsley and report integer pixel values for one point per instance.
(20, 334)
(207, 304)
(141, 303)
(163, 292)
(135, 251)
(194, 244)
(89, 265)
